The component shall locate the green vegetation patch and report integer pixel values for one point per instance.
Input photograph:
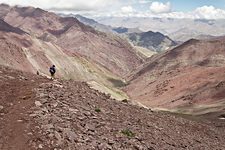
(128, 133)
(98, 110)
(117, 83)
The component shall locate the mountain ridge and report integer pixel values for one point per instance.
(93, 56)
(179, 30)
(54, 28)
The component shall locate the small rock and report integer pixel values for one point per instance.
(48, 127)
(81, 118)
(1, 107)
(10, 77)
(23, 78)
(104, 146)
(57, 85)
(40, 146)
(30, 133)
(25, 97)
(59, 138)
(42, 95)
(37, 103)
(70, 134)
(55, 104)
(33, 115)
(90, 127)
(73, 110)
(125, 101)
(111, 142)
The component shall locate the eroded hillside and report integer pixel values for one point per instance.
(187, 79)
(73, 37)
(38, 113)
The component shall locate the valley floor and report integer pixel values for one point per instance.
(38, 113)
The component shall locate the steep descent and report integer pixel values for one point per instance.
(46, 114)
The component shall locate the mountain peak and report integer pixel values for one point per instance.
(29, 11)
(4, 5)
(8, 28)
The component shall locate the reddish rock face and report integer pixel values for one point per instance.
(14, 47)
(108, 51)
(189, 76)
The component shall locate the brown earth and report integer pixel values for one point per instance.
(38, 113)
(187, 79)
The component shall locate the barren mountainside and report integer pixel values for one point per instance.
(187, 79)
(32, 39)
(75, 37)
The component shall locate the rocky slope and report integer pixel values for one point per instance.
(187, 79)
(46, 114)
(111, 52)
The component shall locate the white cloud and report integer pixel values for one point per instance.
(75, 5)
(158, 7)
(121, 8)
(209, 12)
(144, 1)
(127, 9)
(204, 12)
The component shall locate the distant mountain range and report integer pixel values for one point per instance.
(156, 42)
(92, 23)
(177, 29)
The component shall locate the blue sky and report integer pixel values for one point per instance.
(188, 5)
(185, 5)
(140, 8)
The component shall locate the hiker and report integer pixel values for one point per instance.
(52, 71)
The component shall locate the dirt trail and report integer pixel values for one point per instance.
(16, 99)
(37, 113)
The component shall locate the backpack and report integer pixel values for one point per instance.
(52, 70)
